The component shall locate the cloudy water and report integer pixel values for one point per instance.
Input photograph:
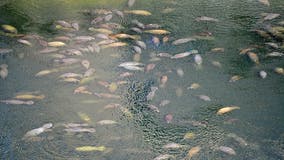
(155, 79)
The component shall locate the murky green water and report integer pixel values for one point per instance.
(141, 133)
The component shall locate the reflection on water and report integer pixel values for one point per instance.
(123, 112)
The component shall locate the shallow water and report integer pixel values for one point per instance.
(141, 136)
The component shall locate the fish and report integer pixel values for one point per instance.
(204, 98)
(137, 49)
(112, 106)
(9, 28)
(84, 116)
(133, 68)
(67, 61)
(70, 75)
(198, 59)
(86, 64)
(125, 36)
(75, 25)
(157, 31)
(56, 44)
(126, 112)
(204, 18)
(238, 139)
(156, 41)
(164, 157)
(119, 13)
(180, 72)
(112, 87)
(130, 3)
(90, 72)
(273, 45)
(262, 74)
(86, 80)
(164, 102)
(235, 78)
(74, 125)
(63, 23)
(189, 135)
(90, 148)
(80, 130)
(151, 94)
(275, 54)
(163, 81)
(37, 131)
(253, 57)
(279, 70)
(138, 12)
(102, 36)
(227, 109)
(164, 55)
(130, 64)
(193, 151)
(153, 108)
(70, 80)
(264, 2)
(135, 29)
(107, 95)
(194, 86)
(108, 17)
(152, 26)
(125, 74)
(113, 45)
(48, 50)
(168, 118)
(62, 38)
(270, 16)
(46, 72)
(141, 44)
(216, 64)
(84, 38)
(217, 50)
(150, 67)
(244, 51)
(227, 150)
(137, 23)
(71, 52)
(100, 30)
(106, 122)
(17, 102)
(23, 41)
(83, 90)
(184, 54)
(172, 146)
(29, 97)
(183, 40)
(5, 50)
(4, 71)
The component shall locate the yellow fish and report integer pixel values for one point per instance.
(189, 135)
(91, 148)
(84, 116)
(29, 96)
(86, 80)
(46, 72)
(139, 12)
(157, 31)
(124, 36)
(227, 109)
(9, 28)
(115, 44)
(56, 44)
(101, 30)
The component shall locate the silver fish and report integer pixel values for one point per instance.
(70, 75)
(130, 64)
(135, 29)
(3, 71)
(180, 72)
(185, 54)
(152, 26)
(154, 108)
(141, 44)
(204, 97)
(198, 59)
(64, 24)
(85, 63)
(227, 150)
(73, 125)
(270, 16)
(80, 130)
(130, 3)
(84, 38)
(240, 140)
(75, 25)
(101, 36)
(172, 146)
(23, 41)
(48, 50)
(108, 17)
(71, 52)
(137, 49)
(273, 45)
(164, 55)
(263, 74)
(17, 102)
(183, 40)
(37, 131)
(89, 72)
(106, 122)
(204, 18)
(67, 61)
(164, 157)
(164, 102)
(137, 23)
(133, 68)
(151, 94)
(275, 54)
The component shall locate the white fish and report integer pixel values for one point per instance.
(263, 74)
(135, 29)
(180, 72)
(17, 102)
(270, 16)
(80, 130)
(106, 122)
(70, 75)
(164, 157)
(164, 55)
(23, 41)
(84, 38)
(141, 44)
(275, 54)
(204, 98)
(164, 102)
(204, 18)
(130, 3)
(37, 131)
(183, 40)
(134, 68)
(227, 150)
(85, 63)
(273, 45)
(89, 72)
(184, 54)
(75, 25)
(172, 146)
(137, 49)
(102, 36)
(198, 59)
(3, 71)
(151, 94)
(130, 64)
